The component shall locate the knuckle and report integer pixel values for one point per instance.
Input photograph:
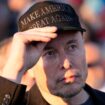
(17, 35)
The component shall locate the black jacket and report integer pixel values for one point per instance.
(14, 94)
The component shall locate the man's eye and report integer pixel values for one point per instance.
(50, 53)
(72, 47)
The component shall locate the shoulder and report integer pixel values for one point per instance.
(93, 91)
(96, 95)
(11, 93)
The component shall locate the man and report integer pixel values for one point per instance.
(95, 68)
(51, 45)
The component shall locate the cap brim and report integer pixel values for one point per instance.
(67, 28)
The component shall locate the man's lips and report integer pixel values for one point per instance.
(69, 79)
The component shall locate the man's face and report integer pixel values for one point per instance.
(62, 68)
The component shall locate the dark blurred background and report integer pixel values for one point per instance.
(9, 12)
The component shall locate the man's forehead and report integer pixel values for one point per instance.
(67, 34)
(63, 37)
(70, 33)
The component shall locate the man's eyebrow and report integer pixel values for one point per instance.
(48, 48)
(72, 41)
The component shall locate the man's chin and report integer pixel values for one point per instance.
(68, 92)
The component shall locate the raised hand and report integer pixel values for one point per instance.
(23, 54)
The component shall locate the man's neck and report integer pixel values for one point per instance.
(81, 98)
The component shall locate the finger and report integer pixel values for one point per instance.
(25, 38)
(43, 34)
(31, 38)
(44, 29)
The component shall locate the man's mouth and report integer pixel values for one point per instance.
(69, 79)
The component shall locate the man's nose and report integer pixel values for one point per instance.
(66, 64)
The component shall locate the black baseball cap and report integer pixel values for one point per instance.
(50, 13)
